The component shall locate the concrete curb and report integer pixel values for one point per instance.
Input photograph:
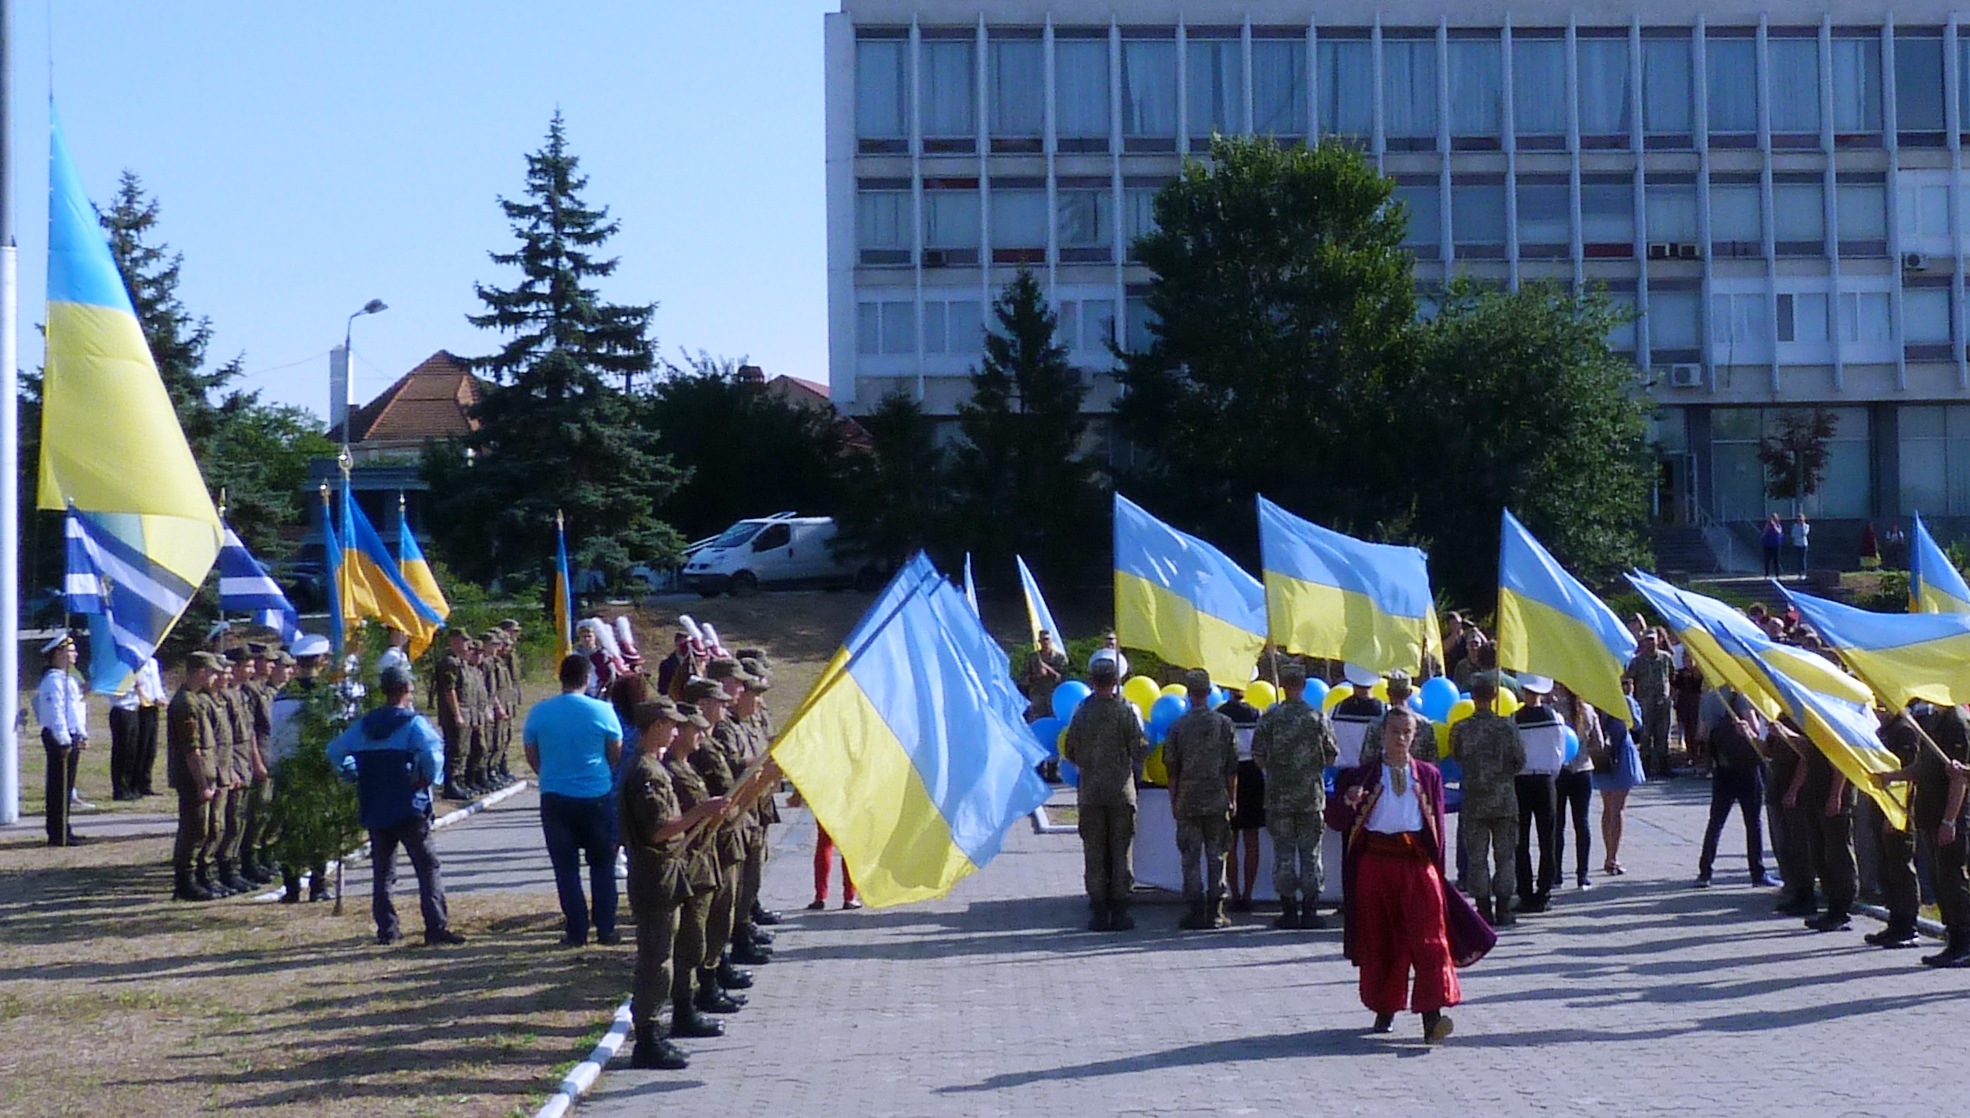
(582, 1077)
(1043, 824)
(1923, 924)
(445, 820)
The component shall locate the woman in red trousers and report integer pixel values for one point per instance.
(824, 853)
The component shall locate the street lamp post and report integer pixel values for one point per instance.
(341, 376)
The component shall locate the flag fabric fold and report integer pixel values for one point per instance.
(1336, 597)
(417, 571)
(129, 599)
(1549, 624)
(246, 587)
(332, 550)
(372, 585)
(1038, 616)
(1901, 656)
(1934, 583)
(1185, 600)
(970, 587)
(564, 598)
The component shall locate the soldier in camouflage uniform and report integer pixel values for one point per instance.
(742, 745)
(238, 706)
(1651, 669)
(498, 718)
(1201, 753)
(1293, 745)
(1488, 746)
(733, 839)
(701, 876)
(1104, 740)
(189, 745)
(258, 692)
(478, 718)
(760, 721)
(515, 698)
(448, 689)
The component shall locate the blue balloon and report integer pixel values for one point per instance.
(1327, 777)
(1438, 695)
(1316, 693)
(1216, 699)
(1069, 774)
(1572, 744)
(1415, 703)
(1067, 696)
(1166, 709)
(1047, 732)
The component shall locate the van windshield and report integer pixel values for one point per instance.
(736, 534)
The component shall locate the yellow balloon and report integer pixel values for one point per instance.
(1335, 696)
(1060, 742)
(1508, 703)
(1174, 689)
(1261, 694)
(1442, 739)
(1140, 690)
(1380, 690)
(1153, 770)
(1460, 710)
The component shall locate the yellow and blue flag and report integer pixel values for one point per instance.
(1336, 597)
(906, 751)
(1934, 584)
(1902, 656)
(1185, 600)
(372, 586)
(332, 550)
(1549, 624)
(417, 572)
(1038, 617)
(564, 598)
(112, 450)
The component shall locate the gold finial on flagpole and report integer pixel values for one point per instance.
(222, 502)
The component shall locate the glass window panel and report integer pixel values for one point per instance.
(1863, 211)
(1149, 88)
(1737, 424)
(1097, 324)
(965, 325)
(1809, 317)
(1279, 87)
(1918, 84)
(1849, 477)
(1739, 320)
(1067, 323)
(1019, 219)
(947, 97)
(1084, 219)
(933, 328)
(1080, 88)
(1924, 211)
(1922, 421)
(1477, 98)
(899, 328)
(1539, 86)
(1607, 213)
(1864, 316)
(1019, 88)
(1477, 214)
(1857, 85)
(1734, 212)
(1666, 89)
(1621, 339)
(868, 328)
(1962, 77)
(1732, 81)
(1425, 207)
(1409, 87)
(882, 219)
(1738, 480)
(1795, 83)
(1545, 216)
(1925, 315)
(950, 219)
(1139, 338)
(1214, 79)
(1925, 460)
(1347, 89)
(881, 107)
(1671, 212)
(1673, 319)
(1798, 211)
(1138, 214)
(1605, 93)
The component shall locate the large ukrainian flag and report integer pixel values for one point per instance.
(1340, 598)
(1549, 624)
(1184, 600)
(372, 586)
(1934, 584)
(1902, 656)
(417, 572)
(905, 751)
(111, 446)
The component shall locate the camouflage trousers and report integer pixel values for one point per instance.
(656, 941)
(1490, 851)
(1297, 873)
(687, 949)
(1108, 852)
(1203, 838)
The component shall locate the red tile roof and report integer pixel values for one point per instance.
(432, 401)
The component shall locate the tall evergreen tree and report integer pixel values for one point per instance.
(893, 499)
(558, 426)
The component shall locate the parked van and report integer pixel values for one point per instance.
(782, 551)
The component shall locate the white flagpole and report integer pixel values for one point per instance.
(10, 498)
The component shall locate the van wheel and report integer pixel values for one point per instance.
(744, 585)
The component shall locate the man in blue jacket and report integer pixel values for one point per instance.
(396, 755)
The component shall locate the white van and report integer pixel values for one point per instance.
(782, 551)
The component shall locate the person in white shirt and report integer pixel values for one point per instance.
(394, 656)
(1111, 651)
(64, 718)
(132, 751)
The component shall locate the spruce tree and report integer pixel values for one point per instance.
(559, 422)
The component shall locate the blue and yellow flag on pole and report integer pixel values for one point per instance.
(332, 551)
(905, 751)
(1934, 583)
(1185, 600)
(1038, 617)
(1902, 656)
(372, 586)
(1340, 598)
(564, 598)
(417, 572)
(1551, 625)
(111, 447)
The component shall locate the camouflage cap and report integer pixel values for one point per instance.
(492, 636)
(1399, 680)
(259, 651)
(1292, 673)
(726, 668)
(758, 654)
(700, 690)
(283, 659)
(692, 716)
(205, 660)
(1197, 680)
(510, 625)
(649, 711)
(760, 680)
(238, 655)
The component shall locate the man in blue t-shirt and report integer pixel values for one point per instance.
(573, 743)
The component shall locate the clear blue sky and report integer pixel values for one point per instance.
(310, 157)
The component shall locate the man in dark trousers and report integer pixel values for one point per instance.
(1104, 740)
(1736, 779)
(1545, 754)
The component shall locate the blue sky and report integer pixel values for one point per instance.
(310, 157)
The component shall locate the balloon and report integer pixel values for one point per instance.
(1141, 691)
(1166, 710)
(1060, 742)
(1153, 770)
(1380, 690)
(1442, 742)
(1176, 689)
(1048, 732)
(1415, 703)
(1215, 699)
(1069, 775)
(1438, 696)
(1327, 776)
(1572, 744)
(1316, 693)
(1335, 696)
(1460, 710)
(1508, 703)
(1261, 694)
(1067, 696)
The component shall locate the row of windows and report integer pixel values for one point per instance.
(1082, 220)
(1085, 327)
(1458, 87)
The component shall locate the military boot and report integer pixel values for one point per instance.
(1309, 919)
(1218, 918)
(290, 886)
(1119, 919)
(711, 999)
(1289, 916)
(211, 884)
(731, 977)
(1097, 918)
(229, 875)
(1505, 917)
(1196, 917)
(1955, 953)
(760, 935)
(685, 1018)
(747, 953)
(256, 871)
(763, 915)
(1485, 910)
(653, 1053)
(318, 886)
(184, 888)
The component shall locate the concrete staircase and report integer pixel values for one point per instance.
(1683, 549)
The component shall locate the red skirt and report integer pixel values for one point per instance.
(1399, 927)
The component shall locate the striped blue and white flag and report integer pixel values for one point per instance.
(129, 599)
(82, 585)
(246, 587)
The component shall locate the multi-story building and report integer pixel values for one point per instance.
(1778, 192)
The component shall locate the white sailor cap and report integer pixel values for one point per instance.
(1360, 676)
(1537, 684)
(310, 644)
(57, 641)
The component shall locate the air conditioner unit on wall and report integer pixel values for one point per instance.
(1914, 262)
(1687, 251)
(1661, 250)
(1686, 376)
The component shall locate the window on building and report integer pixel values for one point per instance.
(1732, 82)
(1347, 87)
(1477, 213)
(1740, 320)
(1085, 218)
(1962, 78)
(1848, 488)
(948, 97)
(1149, 89)
(1279, 87)
(1087, 325)
(950, 219)
(1621, 339)
(1863, 211)
(1918, 84)
(1425, 208)
(1923, 210)
(1667, 94)
(1538, 86)
(882, 107)
(1799, 211)
(1606, 95)
(1140, 318)
(952, 326)
(1671, 210)
(1735, 213)
(1795, 84)
(1477, 95)
(1935, 458)
(1138, 214)
(1545, 215)
(1080, 88)
(1864, 316)
(1925, 315)
(1802, 317)
(1019, 87)
(934, 341)
(1019, 219)
(1674, 319)
(1409, 93)
(882, 226)
(1607, 214)
(1856, 85)
(1214, 80)
(886, 328)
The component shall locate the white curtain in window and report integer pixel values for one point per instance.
(1798, 210)
(1607, 214)
(946, 98)
(1477, 99)
(1667, 94)
(1857, 85)
(965, 326)
(1734, 212)
(1863, 211)
(1926, 458)
(881, 108)
(1019, 88)
(899, 328)
(1621, 339)
(1080, 85)
(950, 219)
(1140, 318)
(1740, 320)
(1425, 207)
(1149, 88)
(1538, 86)
(1477, 214)
(882, 219)
(1671, 213)
(1802, 317)
(1673, 319)
(1139, 212)
(1795, 83)
(1605, 94)
(1918, 84)
(1545, 216)
(1215, 80)
(1409, 87)
(868, 328)
(1097, 324)
(1733, 84)
(1347, 87)
(1279, 87)
(1019, 219)
(1925, 315)
(1864, 316)
(1084, 220)
(933, 327)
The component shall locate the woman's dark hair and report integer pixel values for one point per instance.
(575, 670)
(625, 693)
